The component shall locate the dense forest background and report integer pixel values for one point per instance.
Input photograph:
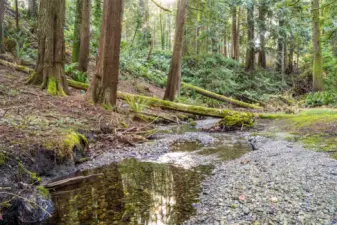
(249, 49)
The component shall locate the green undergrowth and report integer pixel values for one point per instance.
(212, 72)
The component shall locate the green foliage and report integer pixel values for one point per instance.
(137, 105)
(75, 74)
(321, 98)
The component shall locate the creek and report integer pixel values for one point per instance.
(161, 189)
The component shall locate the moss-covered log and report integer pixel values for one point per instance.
(220, 97)
(16, 66)
(199, 110)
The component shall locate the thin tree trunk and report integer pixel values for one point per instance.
(280, 46)
(103, 87)
(17, 15)
(250, 60)
(238, 26)
(2, 15)
(85, 37)
(317, 70)
(77, 31)
(174, 76)
(51, 51)
(234, 33)
(262, 23)
(290, 68)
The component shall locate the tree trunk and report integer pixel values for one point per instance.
(83, 58)
(250, 60)
(2, 15)
(280, 46)
(103, 87)
(17, 15)
(235, 48)
(262, 24)
(77, 31)
(51, 50)
(290, 68)
(32, 8)
(317, 70)
(174, 76)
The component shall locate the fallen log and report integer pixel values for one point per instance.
(72, 180)
(24, 69)
(219, 97)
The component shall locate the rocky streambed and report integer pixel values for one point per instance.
(281, 183)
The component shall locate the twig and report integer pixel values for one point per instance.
(161, 7)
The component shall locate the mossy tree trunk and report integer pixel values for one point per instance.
(83, 58)
(2, 15)
(317, 70)
(77, 31)
(49, 70)
(103, 88)
(220, 97)
(250, 57)
(174, 76)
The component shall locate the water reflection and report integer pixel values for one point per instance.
(130, 192)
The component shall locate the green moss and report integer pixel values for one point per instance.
(2, 159)
(5, 205)
(22, 170)
(52, 85)
(237, 121)
(191, 122)
(43, 191)
(70, 141)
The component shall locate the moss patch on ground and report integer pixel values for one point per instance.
(315, 128)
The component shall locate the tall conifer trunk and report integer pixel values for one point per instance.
(174, 76)
(103, 88)
(83, 57)
(250, 59)
(317, 70)
(51, 50)
(262, 25)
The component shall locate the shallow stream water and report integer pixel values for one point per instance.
(149, 192)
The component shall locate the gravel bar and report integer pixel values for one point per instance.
(280, 183)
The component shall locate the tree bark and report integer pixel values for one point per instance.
(83, 58)
(280, 46)
(103, 87)
(32, 8)
(174, 76)
(77, 31)
(262, 25)
(290, 68)
(51, 50)
(250, 59)
(317, 70)
(235, 47)
(2, 15)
